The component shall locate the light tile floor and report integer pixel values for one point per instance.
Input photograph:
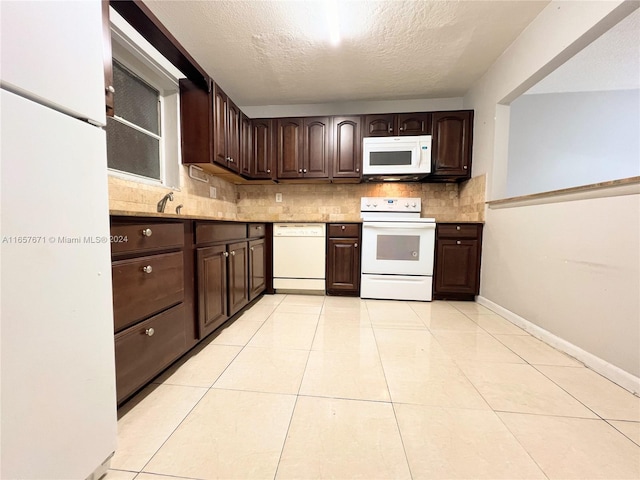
(310, 387)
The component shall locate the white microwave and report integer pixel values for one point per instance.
(396, 158)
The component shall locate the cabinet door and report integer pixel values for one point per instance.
(245, 145)
(289, 134)
(343, 266)
(262, 151)
(457, 266)
(451, 149)
(316, 147)
(378, 125)
(347, 147)
(413, 123)
(219, 126)
(238, 280)
(195, 122)
(257, 267)
(233, 136)
(212, 288)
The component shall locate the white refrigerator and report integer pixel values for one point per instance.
(57, 374)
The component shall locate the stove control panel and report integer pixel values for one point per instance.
(388, 204)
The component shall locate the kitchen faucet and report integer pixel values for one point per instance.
(162, 203)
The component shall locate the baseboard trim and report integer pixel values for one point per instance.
(608, 370)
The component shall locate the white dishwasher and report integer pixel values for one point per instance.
(299, 251)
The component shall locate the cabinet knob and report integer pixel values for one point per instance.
(390, 129)
(252, 249)
(304, 170)
(146, 232)
(357, 169)
(343, 227)
(300, 171)
(401, 129)
(465, 167)
(458, 242)
(355, 245)
(226, 254)
(233, 253)
(147, 269)
(268, 170)
(458, 227)
(231, 160)
(149, 332)
(110, 89)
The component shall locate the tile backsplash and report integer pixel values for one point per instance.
(341, 203)
(136, 197)
(300, 202)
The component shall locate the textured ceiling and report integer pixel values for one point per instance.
(278, 52)
(611, 62)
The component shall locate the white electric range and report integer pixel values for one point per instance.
(397, 249)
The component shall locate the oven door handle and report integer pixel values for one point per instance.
(399, 225)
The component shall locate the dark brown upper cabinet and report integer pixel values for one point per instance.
(347, 148)
(226, 131)
(303, 147)
(245, 145)
(262, 148)
(451, 145)
(397, 124)
(196, 123)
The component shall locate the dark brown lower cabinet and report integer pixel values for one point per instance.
(257, 267)
(212, 287)
(147, 348)
(238, 276)
(154, 320)
(343, 259)
(457, 261)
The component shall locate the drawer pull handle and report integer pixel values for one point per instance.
(149, 332)
(146, 232)
(233, 252)
(147, 269)
(226, 254)
(458, 242)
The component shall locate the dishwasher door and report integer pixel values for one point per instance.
(299, 256)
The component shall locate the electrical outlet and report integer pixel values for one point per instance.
(213, 192)
(278, 198)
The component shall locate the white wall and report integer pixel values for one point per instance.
(563, 140)
(569, 267)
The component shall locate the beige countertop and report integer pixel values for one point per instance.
(173, 216)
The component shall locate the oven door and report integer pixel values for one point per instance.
(398, 248)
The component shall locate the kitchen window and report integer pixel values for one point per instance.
(143, 134)
(133, 134)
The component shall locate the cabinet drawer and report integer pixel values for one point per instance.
(138, 294)
(344, 230)
(255, 230)
(146, 349)
(141, 237)
(458, 230)
(220, 232)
